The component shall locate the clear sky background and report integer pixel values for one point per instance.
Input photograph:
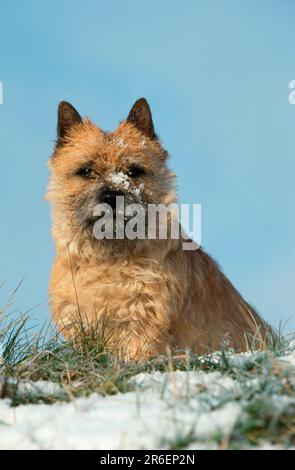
(216, 74)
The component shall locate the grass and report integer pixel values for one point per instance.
(89, 366)
(261, 423)
(78, 368)
(268, 406)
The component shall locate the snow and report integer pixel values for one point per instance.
(38, 388)
(162, 408)
(120, 142)
(121, 179)
(290, 358)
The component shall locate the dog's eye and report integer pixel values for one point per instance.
(135, 171)
(85, 172)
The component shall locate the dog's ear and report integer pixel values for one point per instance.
(141, 117)
(68, 116)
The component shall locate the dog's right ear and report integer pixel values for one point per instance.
(68, 116)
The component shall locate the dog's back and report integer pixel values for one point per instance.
(213, 313)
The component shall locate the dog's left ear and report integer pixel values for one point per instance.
(141, 117)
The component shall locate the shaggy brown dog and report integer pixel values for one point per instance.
(153, 294)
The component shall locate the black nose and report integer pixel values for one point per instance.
(108, 196)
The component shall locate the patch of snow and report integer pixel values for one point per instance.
(282, 403)
(289, 359)
(291, 345)
(41, 387)
(120, 142)
(172, 383)
(143, 419)
(121, 179)
(137, 191)
(242, 359)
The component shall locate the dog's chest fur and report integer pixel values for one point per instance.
(140, 295)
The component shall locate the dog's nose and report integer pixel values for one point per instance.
(108, 196)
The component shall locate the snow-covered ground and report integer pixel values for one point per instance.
(165, 410)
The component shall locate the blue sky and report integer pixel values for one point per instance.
(216, 74)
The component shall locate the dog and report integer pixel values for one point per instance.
(150, 295)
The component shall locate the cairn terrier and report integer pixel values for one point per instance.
(149, 294)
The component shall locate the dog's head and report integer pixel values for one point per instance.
(90, 167)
